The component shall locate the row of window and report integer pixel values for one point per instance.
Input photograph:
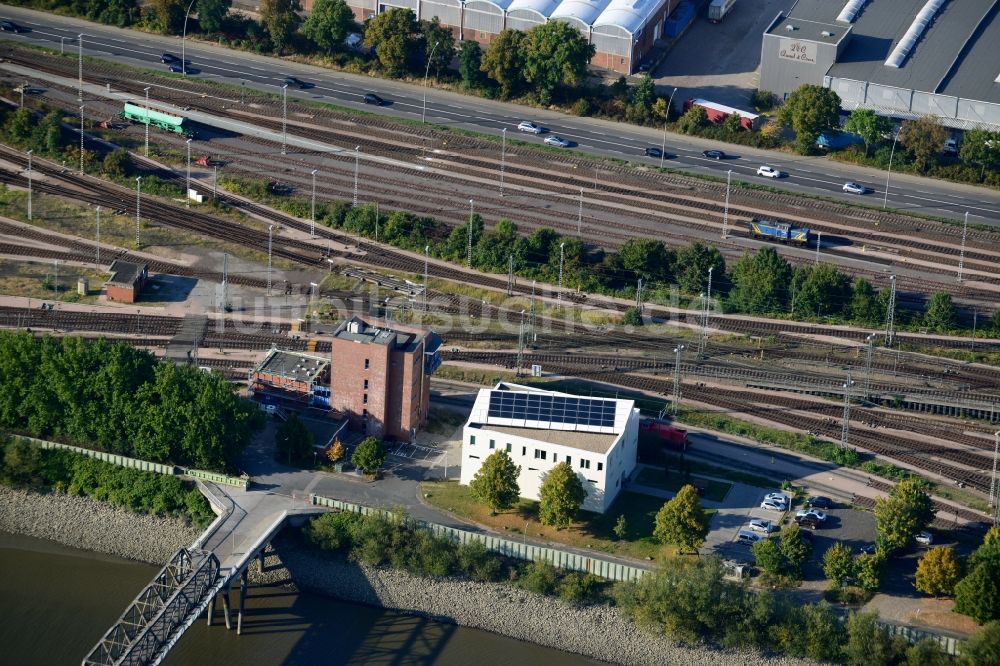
(540, 454)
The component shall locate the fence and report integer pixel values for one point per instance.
(145, 465)
(506, 547)
(949, 644)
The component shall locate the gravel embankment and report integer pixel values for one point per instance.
(600, 632)
(85, 523)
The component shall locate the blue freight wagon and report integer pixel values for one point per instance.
(779, 231)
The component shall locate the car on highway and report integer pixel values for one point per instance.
(296, 82)
(176, 67)
(761, 525)
(771, 505)
(658, 153)
(819, 502)
(748, 537)
(853, 188)
(372, 98)
(769, 171)
(714, 154)
(815, 514)
(9, 26)
(527, 126)
(557, 141)
(168, 58)
(924, 538)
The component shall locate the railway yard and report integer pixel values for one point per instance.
(290, 280)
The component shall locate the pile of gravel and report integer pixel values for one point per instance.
(600, 632)
(85, 523)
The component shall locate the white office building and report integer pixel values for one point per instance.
(539, 429)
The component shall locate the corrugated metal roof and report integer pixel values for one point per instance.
(585, 11)
(629, 15)
(541, 7)
(502, 5)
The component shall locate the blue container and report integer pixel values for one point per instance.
(679, 20)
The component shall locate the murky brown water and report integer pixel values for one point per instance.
(57, 601)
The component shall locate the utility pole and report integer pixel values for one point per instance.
(81, 139)
(725, 214)
(520, 345)
(80, 66)
(638, 296)
(284, 119)
(845, 427)
(868, 365)
(819, 244)
(534, 333)
(138, 201)
(146, 153)
(357, 157)
(510, 276)
(961, 256)
(890, 313)
(472, 214)
(312, 210)
(503, 158)
(427, 254)
(56, 268)
(579, 218)
(975, 320)
(562, 258)
(225, 283)
(994, 504)
(270, 242)
(29, 184)
(675, 405)
(705, 304)
(98, 260)
(427, 71)
(215, 181)
(376, 221)
(187, 194)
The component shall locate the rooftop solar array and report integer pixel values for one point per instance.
(554, 409)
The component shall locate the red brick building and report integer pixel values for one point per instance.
(380, 377)
(127, 281)
(294, 377)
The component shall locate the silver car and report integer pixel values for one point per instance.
(761, 525)
(771, 505)
(557, 141)
(525, 126)
(854, 188)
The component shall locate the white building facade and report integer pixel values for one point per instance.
(540, 429)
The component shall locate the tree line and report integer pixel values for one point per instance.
(111, 397)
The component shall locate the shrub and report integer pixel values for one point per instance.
(582, 107)
(332, 531)
(476, 562)
(539, 577)
(579, 588)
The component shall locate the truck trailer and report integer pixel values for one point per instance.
(717, 113)
(718, 9)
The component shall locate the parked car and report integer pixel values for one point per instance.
(773, 506)
(748, 537)
(809, 522)
(761, 525)
(296, 82)
(867, 549)
(925, 538)
(811, 513)
(853, 188)
(9, 26)
(769, 172)
(714, 154)
(819, 502)
(526, 126)
(781, 498)
(557, 141)
(168, 58)
(950, 147)
(372, 98)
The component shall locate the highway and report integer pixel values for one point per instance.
(809, 175)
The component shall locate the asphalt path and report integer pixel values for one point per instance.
(809, 175)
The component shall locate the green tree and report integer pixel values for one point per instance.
(868, 125)
(470, 59)
(643, 97)
(938, 572)
(940, 314)
(988, 550)
(168, 16)
(120, 13)
(868, 570)
(983, 649)
(281, 19)
(212, 14)
(838, 564)
(767, 555)
(632, 317)
(760, 282)
(293, 439)
(692, 264)
(560, 496)
(822, 289)
(494, 249)
(924, 137)
(868, 644)
(328, 24)
(926, 653)
(693, 120)
(434, 33)
(48, 134)
(620, 529)
(732, 124)
(865, 308)
(978, 594)
(504, 62)
(682, 521)
(369, 456)
(19, 125)
(555, 54)
(646, 257)
(899, 517)
(495, 484)
(117, 163)
(980, 147)
(794, 548)
(809, 110)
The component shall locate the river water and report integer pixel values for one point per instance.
(57, 601)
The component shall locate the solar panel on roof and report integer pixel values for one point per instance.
(552, 409)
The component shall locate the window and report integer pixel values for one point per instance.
(508, 447)
(532, 469)
(475, 457)
(555, 457)
(584, 464)
(539, 454)
(366, 384)
(364, 413)
(366, 364)
(524, 450)
(600, 466)
(493, 444)
(569, 460)
(472, 440)
(365, 399)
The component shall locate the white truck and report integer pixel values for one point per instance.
(718, 9)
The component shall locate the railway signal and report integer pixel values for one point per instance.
(562, 258)
(579, 217)
(187, 194)
(868, 364)
(472, 215)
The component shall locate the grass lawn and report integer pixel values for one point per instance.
(591, 531)
(715, 491)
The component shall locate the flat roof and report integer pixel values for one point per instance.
(125, 272)
(812, 29)
(293, 365)
(585, 441)
(357, 330)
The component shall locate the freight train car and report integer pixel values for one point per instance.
(668, 435)
(166, 121)
(779, 231)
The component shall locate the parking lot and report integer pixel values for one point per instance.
(406, 452)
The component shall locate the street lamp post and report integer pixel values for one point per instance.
(472, 215)
(890, 313)
(138, 201)
(80, 66)
(184, 64)
(284, 119)
(357, 157)
(666, 119)
(427, 254)
(868, 364)
(29, 184)
(98, 244)
(503, 158)
(147, 121)
(270, 242)
(579, 217)
(846, 426)
(427, 71)
(725, 214)
(675, 405)
(885, 199)
(819, 244)
(961, 256)
(562, 257)
(312, 207)
(81, 139)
